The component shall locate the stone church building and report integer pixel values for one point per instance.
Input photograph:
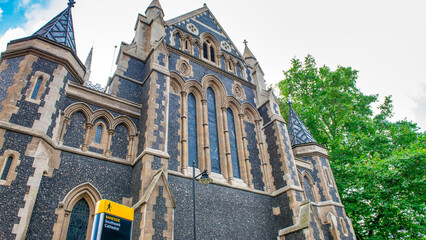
(182, 97)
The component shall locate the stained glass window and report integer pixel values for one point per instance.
(98, 134)
(6, 168)
(36, 88)
(213, 136)
(192, 131)
(79, 220)
(233, 144)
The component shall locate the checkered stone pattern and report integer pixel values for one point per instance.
(297, 130)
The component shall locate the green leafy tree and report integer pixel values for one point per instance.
(379, 165)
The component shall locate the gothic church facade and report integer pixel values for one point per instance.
(182, 97)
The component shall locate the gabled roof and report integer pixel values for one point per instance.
(197, 12)
(298, 132)
(60, 29)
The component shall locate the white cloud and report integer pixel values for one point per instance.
(11, 34)
(1, 13)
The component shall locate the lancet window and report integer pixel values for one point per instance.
(213, 131)
(233, 143)
(36, 88)
(209, 50)
(79, 220)
(6, 168)
(192, 131)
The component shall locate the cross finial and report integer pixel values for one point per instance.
(71, 3)
(245, 42)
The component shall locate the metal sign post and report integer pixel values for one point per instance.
(113, 221)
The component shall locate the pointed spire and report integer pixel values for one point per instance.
(154, 8)
(60, 29)
(88, 65)
(298, 132)
(247, 53)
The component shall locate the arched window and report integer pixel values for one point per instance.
(213, 136)
(209, 50)
(192, 131)
(233, 144)
(6, 168)
(308, 190)
(98, 134)
(36, 88)
(79, 220)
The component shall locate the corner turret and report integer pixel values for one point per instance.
(60, 29)
(299, 133)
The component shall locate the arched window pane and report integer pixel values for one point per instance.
(36, 88)
(6, 168)
(205, 53)
(308, 190)
(233, 144)
(98, 134)
(79, 220)
(213, 136)
(212, 57)
(192, 131)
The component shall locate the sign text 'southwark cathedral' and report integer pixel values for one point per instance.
(182, 92)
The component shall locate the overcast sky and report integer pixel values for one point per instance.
(384, 40)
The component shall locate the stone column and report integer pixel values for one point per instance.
(107, 149)
(85, 145)
(130, 153)
(184, 129)
(207, 162)
(227, 145)
(249, 178)
(262, 152)
(64, 126)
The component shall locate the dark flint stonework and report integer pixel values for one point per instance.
(144, 114)
(340, 214)
(135, 70)
(286, 216)
(313, 225)
(136, 181)
(290, 160)
(160, 111)
(137, 218)
(129, 90)
(156, 164)
(173, 131)
(299, 235)
(225, 213)
(75, 130)
(332, 189)
(315, 177)
(96, 150)
(120, 142)
(160, 59)
(28, 111)
(160, 209)
(6, 76)
(253, 150)
(263, 111)
(59, 105)
(12, 197)
(274, 156)
(109, 178)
